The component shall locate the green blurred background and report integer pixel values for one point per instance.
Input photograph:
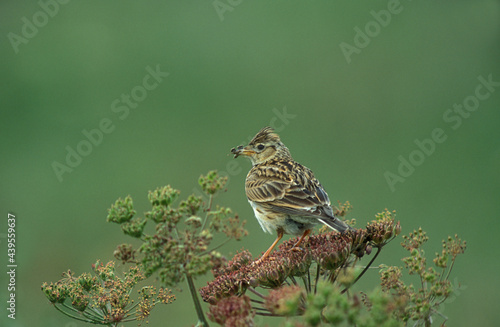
(230, 74)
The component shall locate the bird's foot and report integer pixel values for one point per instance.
(297, 249)
(256, 262)
(262, 259)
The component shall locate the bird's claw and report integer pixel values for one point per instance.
(297, 249)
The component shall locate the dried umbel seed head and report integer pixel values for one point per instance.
(329, 251)
(285, 301)
(229, 284)
(124, 253)
(232, 311)
(106, 290)
(240, 260)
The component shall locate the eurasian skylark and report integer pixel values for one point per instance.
(285, 196)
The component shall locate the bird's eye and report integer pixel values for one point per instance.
(260, 147)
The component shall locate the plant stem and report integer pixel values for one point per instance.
(254, 291)
(307, 286)
(316, 279)
(364, 270)
(216, 247)
(309, 280)
(268, 314)
(72, 316)
(208, 212)
(202, 321)
(449, 271)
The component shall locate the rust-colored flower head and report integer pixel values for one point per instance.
(240, 260)
(291, 272)
(384, 228)
(229, 284)
(235, 311)
(285, 301)
(330, 250)
(124, 253)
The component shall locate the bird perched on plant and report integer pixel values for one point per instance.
(285, 196)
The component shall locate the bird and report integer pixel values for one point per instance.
(285, 196)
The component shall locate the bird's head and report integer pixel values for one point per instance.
(264, 146)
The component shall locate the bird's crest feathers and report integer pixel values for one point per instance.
(266, 134)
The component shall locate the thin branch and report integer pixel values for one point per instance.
(309, 280)
(257, 301)
(133, 306)
(90, 313)
(317, 278)
(306, 286)
(216, 247)
(176, 232)
(449, 271)
(440, 314)
(199, 311)
(424, 284)
(376, 267)
(209, 208)
(268, 314)
(254, 291)
(364, 270)
(72, 316)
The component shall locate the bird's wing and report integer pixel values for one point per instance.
(289, 188)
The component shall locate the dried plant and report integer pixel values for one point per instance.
(180, 246)
(104, 298)
(314, 283)
(434, 286)
(310, 286)
(293, 276)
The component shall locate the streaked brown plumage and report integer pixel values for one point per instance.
(285, 196)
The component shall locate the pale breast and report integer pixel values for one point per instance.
(268, 224)
(272, 221)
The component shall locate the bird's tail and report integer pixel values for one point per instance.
(336, 224)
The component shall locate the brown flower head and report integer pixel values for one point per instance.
(124, 253)
(104, 298)
(285, 301)
(383, 229)
(240, 260)
(232, 312)
(326, 251)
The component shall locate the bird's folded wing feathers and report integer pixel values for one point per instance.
(289, 194)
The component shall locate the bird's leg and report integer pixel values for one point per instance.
(268, 252)
(296, 245)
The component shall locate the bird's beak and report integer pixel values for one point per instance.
(241, 151)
